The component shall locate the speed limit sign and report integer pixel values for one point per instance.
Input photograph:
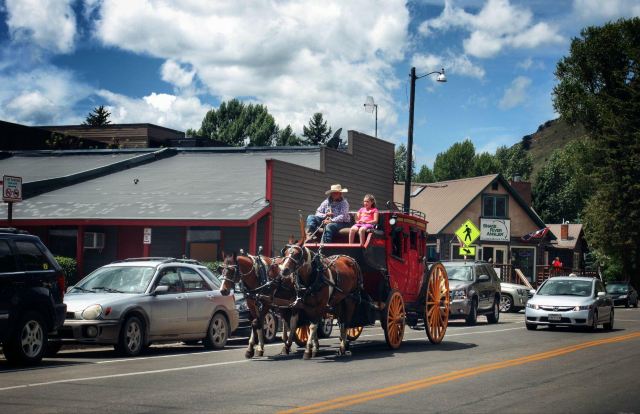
(11, 188)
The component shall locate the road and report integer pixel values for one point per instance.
(480, 369)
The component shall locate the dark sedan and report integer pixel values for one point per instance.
(622, 293)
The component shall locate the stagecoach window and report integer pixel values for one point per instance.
(396, 243)
(413, 240)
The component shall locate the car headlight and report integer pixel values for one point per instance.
(622, 297)
(459, 294)
(532, 305)
(92, 312)
(584, 307)
(522, 292)
(242, 306)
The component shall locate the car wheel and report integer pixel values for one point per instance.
(506, 303)
(27, 344)
(131, 340)
(626, 304)
(494, 316)
(594, 322)
(635, 305)
(531, 326)
(609, 325)
(269, 327)
(472, 318)
(218, 332)
(326, 327)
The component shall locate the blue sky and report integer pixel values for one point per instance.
(167, 63)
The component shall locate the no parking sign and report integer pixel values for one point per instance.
(11, 188)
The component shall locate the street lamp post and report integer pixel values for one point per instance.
(412, 97)
(370, 106)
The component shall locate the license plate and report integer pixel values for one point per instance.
(555, 317)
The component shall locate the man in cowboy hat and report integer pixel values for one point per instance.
(333, 213)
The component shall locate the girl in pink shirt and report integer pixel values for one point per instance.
(366, 218)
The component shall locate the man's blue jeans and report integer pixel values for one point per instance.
(331, 229)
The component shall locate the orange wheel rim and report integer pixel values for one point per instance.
(395, 320)
(437, 304)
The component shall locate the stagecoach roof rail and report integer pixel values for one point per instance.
(399, 207)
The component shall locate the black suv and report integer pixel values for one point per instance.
(31, 295)
(474, 289)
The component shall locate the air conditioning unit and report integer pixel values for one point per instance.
(93, 240)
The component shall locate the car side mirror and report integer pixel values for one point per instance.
(601, 294)
(160, 289)
(484, 278)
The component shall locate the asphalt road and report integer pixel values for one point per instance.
(487, 368)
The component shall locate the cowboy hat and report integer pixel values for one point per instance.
(336, 188)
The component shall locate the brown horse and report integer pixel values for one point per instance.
(247, 269)
(322, 284)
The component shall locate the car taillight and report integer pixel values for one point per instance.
(60, 281)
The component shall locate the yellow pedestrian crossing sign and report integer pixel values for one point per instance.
(467, 233)
(467, 251)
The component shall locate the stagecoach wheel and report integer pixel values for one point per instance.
(394, 319)
(436, 312)
(302, 336)
(354, 333)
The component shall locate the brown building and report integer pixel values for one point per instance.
(502, 216)
(102, 205)
(570, 246)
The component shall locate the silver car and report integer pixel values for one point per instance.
(132, 303)
(513, 297)
(570, 301)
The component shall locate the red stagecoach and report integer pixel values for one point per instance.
(400, 287)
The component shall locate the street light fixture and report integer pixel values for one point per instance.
(407, 182)
(370, 107)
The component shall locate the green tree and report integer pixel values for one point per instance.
(98, 117)
(456, 162)
(234, 123)
(286, 137)
(485, 164)
(425, 175)
(318, 132)
(562, 186)
(514, 161)
(599, 86)
(400, 164)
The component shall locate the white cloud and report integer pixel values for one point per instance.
(175, 74)
(42, 96)
(516, 93)
(297, 58)
(455, 64)
(530, 64)
(497, 25)
(597, 10)
(49, 24)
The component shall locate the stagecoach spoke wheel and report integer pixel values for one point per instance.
(354, 333)
(436, 313)
(302, 336)
(394, 319)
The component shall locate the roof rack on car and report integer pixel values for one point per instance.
(146, 259)
(12, 230)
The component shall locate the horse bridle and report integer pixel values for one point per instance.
(299, 262)
(237, 275)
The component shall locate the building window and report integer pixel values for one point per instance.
(494, 206)
(432, 253)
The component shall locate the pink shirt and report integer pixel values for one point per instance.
(365, 216)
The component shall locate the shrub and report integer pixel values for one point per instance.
(69, 266)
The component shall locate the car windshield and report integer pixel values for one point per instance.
(117, 279)
(214, 278)
(617, 288)
(463, 273)
(566, 288)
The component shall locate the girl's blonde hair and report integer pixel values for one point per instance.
(371, 198)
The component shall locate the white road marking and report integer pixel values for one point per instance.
(129, 374)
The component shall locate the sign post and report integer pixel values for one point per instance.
(11, 193)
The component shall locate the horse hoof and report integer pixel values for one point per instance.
(249, 354)
(306, 356)
(314, 354)
(260, 353)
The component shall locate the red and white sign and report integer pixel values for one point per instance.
(147, 236)
(11, 188)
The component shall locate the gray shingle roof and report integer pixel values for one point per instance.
(191, 185)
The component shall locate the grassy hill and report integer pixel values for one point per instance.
(550, 136)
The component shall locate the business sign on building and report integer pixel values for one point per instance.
(495, 229)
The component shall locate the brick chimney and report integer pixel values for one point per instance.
(564, 231)
(523, 188)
